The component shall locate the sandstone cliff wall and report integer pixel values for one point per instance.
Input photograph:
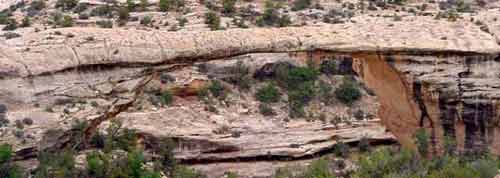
(437, 75)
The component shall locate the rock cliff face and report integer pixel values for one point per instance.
(437, 75)
(451, 96)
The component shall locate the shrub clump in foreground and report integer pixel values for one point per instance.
(392, 162)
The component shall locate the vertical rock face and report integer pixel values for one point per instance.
(450, 96)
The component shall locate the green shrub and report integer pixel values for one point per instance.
(185, 172)
(167, 97)
(283, 172)
(19, 124)
(104, 165)
(26, 22)
(364, 145)
(326, 93)
(146, 20)
(126, 139)
(108, 164)
(130, 5)
(80, 8)
(341, 149)
(67, 21)
(37, 5)
(388, 162)
(239, 22)
(318, 169)
(123, 15)
(150, 174)
(453, 168)
(272, 17)
(450, 14)
(300, 83)
(301, 4)
(10, 25)
(135, 160)
(328, 67)
(18, 133)
(10, 35)
(228, 6)
(449, 145)
(463, 6)
(384, 162)
(102, 11)
(231, 175)
(299, 96)
(212, 20)
(211, 108)
(143, 4)
(104, 23)
(268, 94)
(3, 121)
(8, 168)
(182, 21)
(266, 110)
(96, 164)
(66, 4)
(284, 21)
(203, 94)
(58, 165)
(210, 5)
(4, 17)
(165, 150)
(422, 142)
(49, 109)
(348, 92)
(5, 153)
(296, 109)
(217, 89)
(239, 76)
(300, 75)
(55, 19)
(164, 5)
(486, 168)
(398, 2)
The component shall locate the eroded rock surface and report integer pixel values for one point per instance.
(33, 54)
(438, 75)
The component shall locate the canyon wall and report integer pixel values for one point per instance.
(436, 75)
(451, 96)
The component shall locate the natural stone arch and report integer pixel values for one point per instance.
(393, 69)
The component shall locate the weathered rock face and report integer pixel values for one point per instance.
(436, 75)
(452, 96)
(237, 134)
(34, 54)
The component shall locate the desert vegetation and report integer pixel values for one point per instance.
(118, 156)
(286, 88)
(396, 162)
